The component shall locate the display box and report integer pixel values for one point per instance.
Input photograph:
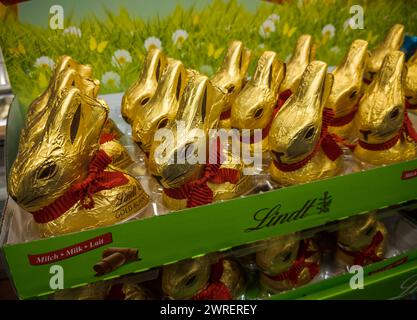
(192, 232)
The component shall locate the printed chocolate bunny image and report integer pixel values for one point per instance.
(392, 42)
(230, 78)
(256, 104)
(361, 240)
(386, 134)
(300, 144)
(302, 55)
(287, 262)
(64, 180)
(410, 86)
(194, 169)
(199, 279)
(346, 90)
(161, 107)
(144, 88)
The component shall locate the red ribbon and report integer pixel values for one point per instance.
(407, 127)
(327, 142)
(215, 290)
(96, 180)
(341, 121)
(106, 137)
(410, 106)
(197, 192)
(225, 114)
(298, 266)
(283, 96)
(369, 253)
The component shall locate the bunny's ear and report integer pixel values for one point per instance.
(154, 65)
(356, 58)
(304, 50)
(413, 59)
(327, 88)
(391, 75)
(173, 81)
(394, 38)
(237, 58)
(270, 71)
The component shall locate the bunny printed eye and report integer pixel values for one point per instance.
(162, 123)
(309, 133)
(190, 281)
(73, 83)
(394, 113)
(369, 230)
(230, 89)
(47, 171)
(144, 101)
(286, 256)
(258, 113)
(353, 94)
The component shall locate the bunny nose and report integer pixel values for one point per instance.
(365, 133)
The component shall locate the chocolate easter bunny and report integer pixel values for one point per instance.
(199, 279)
(300, 144)
(189, 180)
(256, 104)
(392, 42)
(302, 55)
(346, 91)
(361, 240)
(65, 181)
(410, 85)
(162, 106)
(386, 134)
(287, 262)
(230, 78)
(143, 89)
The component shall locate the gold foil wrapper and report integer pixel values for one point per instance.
(120, 156)
(356, 234)
(347, 87)
(93, 291)
(410, 86)
(392, 42)
(296, 130)
(134, 291)
(381, 115)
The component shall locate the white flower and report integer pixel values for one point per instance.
(73, 31)
(44, 62)
(261, 46)
(111, 79)
(348, 23)
(179, 37)
(206, 69)
(120, 58)
(267, 28)
(330, 68)
(335, 49)
(328, 30)
(152, 42)
(274, 17)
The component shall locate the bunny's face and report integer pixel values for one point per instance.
(392, 42)
(296, 129)
(198, 114)
(303, 54)
(230, 78)
(162, 107)
(348, 76)
(142, 91)
(357, 232)
(184, 279)
(381, 110)
(60, 155)
(279, 254)
(410, 86)
(254, 105)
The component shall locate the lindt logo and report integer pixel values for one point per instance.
(270, 217)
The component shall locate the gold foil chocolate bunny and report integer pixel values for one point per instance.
(410, 86)
(144, 88)
(230, 78)
(302, 55)
(195, 168)
(256, 104)
(64, 180)
(386, 134)
(161, 107)
(392, 42)
(346, 90)
(300, 144)
(287, 262)
(199, 279)
(361, 240)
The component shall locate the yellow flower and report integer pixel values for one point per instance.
(196, 20)
(287, 30)
(99, 47)
(20, 49)
(212, 52)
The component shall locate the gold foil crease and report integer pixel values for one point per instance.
(410, 86)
